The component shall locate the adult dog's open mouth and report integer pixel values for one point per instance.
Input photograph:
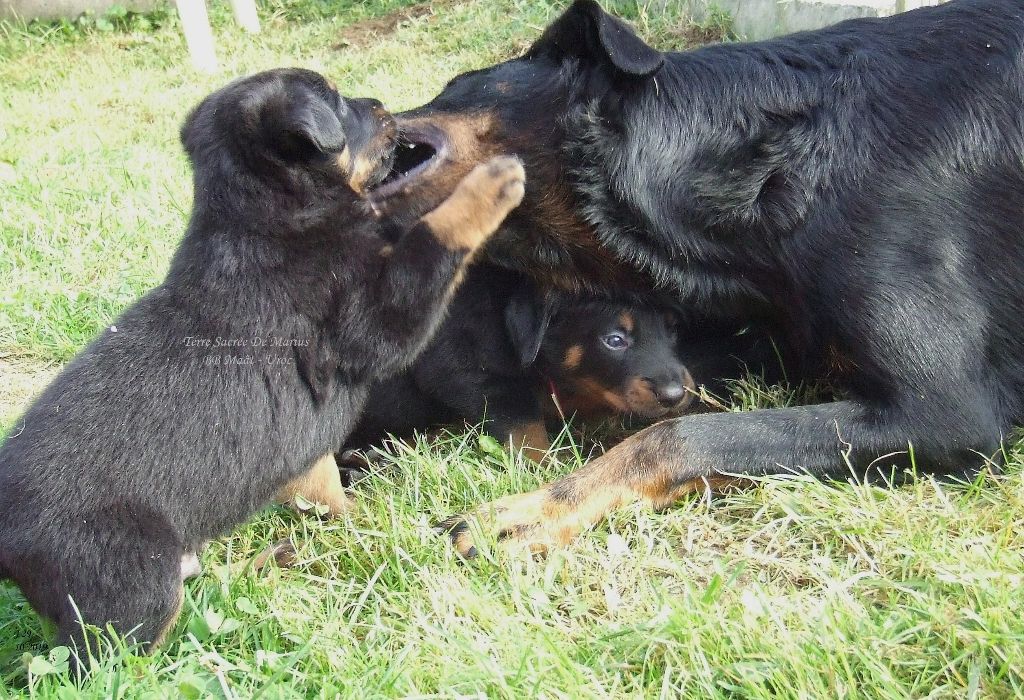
(417, 153)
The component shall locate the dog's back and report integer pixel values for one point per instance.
(877, 160)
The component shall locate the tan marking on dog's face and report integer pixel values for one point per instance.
(573, 357)
(627, 321)
(467, 146)
(550, 216)
(588, 398)
(641, 399)
(467, 136)
(362, 169)
(386, 251)
(345, 160)
(359, 168)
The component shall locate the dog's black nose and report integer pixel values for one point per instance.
(670, 394)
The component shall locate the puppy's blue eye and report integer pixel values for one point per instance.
(615, 342)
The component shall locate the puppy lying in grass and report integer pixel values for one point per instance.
(503, 350)
(229, 382)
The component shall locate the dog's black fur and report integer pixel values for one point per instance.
(285, 301)
(504, 348)
(858, 190)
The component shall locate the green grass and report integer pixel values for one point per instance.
(791, 589)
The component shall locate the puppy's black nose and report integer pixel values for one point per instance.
(670, 394)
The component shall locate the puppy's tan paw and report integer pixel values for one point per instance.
(319, 490)
(479, 204)
(503, 180)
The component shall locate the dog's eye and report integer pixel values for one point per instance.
(616, 342)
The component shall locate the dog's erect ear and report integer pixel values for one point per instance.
(526, 318)
(587, 32)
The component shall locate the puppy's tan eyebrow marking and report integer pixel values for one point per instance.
(573, 356)
(344, 160)
(626, 319)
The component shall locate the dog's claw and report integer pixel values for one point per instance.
(282, 553)
(457, 530)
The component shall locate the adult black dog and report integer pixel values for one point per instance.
(859, 190)
(228, 383)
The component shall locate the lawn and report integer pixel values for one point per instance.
(790, 589)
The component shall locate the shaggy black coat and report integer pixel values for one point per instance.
(858, 190)
(286, 299)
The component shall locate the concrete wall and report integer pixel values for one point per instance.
(761, 19)
(54, 9)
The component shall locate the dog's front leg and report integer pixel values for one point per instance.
(418, 274)
(663, 463)
(321, 485)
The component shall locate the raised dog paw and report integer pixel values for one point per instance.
(479, 204)
(503, 180)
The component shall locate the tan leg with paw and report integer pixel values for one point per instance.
(532, 439)
(320, 485)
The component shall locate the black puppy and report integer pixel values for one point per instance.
(857, 191)
(227, 383)
(503, 350)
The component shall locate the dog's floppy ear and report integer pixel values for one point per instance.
(311, 122)
(300, 124)
(588, 32)
(526, 318)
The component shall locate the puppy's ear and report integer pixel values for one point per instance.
(587, 32)
(527, 317)
(315, 124)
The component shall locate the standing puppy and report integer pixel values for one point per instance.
(227, 383)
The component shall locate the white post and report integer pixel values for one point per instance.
(245, 15)
(196, 26)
